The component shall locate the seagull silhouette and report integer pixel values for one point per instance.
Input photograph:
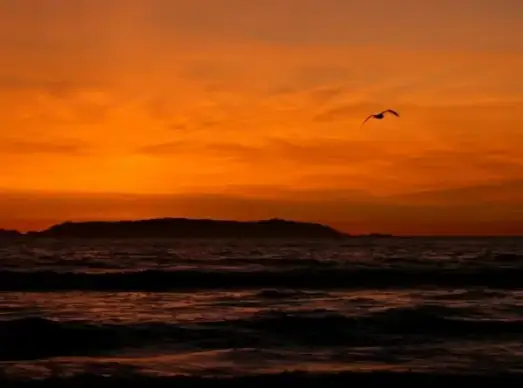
(380, 115)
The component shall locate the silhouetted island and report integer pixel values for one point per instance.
(9, 234)
(190, 228)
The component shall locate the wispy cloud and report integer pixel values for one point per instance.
(29, 147)
(302, 152)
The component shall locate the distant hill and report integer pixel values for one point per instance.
(4, 233)
(190, 228)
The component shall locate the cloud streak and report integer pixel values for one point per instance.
(27, 147)
(311, 151)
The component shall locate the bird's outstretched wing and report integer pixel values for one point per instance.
(391, 111)
(367, 119)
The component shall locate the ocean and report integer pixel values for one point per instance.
(249, 307)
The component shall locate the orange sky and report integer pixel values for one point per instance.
(239, 109)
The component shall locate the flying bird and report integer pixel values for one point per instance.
(380, 115)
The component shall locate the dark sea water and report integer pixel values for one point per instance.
(236, 307)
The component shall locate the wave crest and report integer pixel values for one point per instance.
(33, 338)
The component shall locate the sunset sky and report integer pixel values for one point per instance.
(249, 109)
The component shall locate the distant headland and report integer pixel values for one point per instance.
(6, 233)
(185, 228)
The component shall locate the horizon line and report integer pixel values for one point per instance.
(347, 234)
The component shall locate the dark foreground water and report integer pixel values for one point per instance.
(230, 308)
